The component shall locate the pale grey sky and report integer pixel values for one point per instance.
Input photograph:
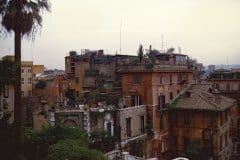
(208, 30)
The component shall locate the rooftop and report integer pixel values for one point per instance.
(199, 97)
(154, 68)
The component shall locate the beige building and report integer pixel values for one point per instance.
(26, 78)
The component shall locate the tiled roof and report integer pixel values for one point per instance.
(198, 97)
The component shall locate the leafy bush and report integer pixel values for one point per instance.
(60, 143)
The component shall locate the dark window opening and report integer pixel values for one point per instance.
(228, 87)
(161, 122)
(142, 124)
(186, 142)
(136, 79)
(109, 128)
(171, 96)
(135, 100)
(161, 101)
(161, 79)
(186, 119)
(128, 127)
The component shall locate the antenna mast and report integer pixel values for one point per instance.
(162, 42)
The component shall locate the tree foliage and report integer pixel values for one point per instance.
(7, 151)
(102, 141)
(7, 72)
(22, 15)
(59, 143)
(73, 150)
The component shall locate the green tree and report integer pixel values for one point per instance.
(59, 143)
(73, 150)
(6, 138)
(102, 141)
(7, 72)
(23, 17)
(7, 76)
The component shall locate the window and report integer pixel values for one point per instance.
(135, 100)
(77, 80)
(109, 128)
(161, 122)
(136, 79)
(227, 87)
(161, 101)
(221, 145)
(186, 142)
(174, 119)
(179, 78)
(161, 79)
(171, 96)
(23, 93)
(128, 127)
(29, 93)
(226, 139)
(221, 119)
(216, 86)
(186, 119)
(170, 79)
(6, 91)
(22, 80)
(29, 71)
(175, 142)
(29, 80)
(22, 70)
(163, 146)
(178, 91)
(142, 124)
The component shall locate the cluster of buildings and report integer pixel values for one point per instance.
(162, 106)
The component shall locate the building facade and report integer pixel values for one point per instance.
(227, 83)
(202, 122)
(26, 78)
(156, 86)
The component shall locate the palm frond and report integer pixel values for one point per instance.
(27, 19)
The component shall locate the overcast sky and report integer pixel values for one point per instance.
(208, 30)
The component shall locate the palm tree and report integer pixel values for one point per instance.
(23, 17)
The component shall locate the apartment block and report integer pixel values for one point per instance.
(201, 123)
(227, 83)
(156, 86)
(26, 78)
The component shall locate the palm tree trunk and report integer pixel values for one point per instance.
(17, 92)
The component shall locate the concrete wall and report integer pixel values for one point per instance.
(134, 113)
